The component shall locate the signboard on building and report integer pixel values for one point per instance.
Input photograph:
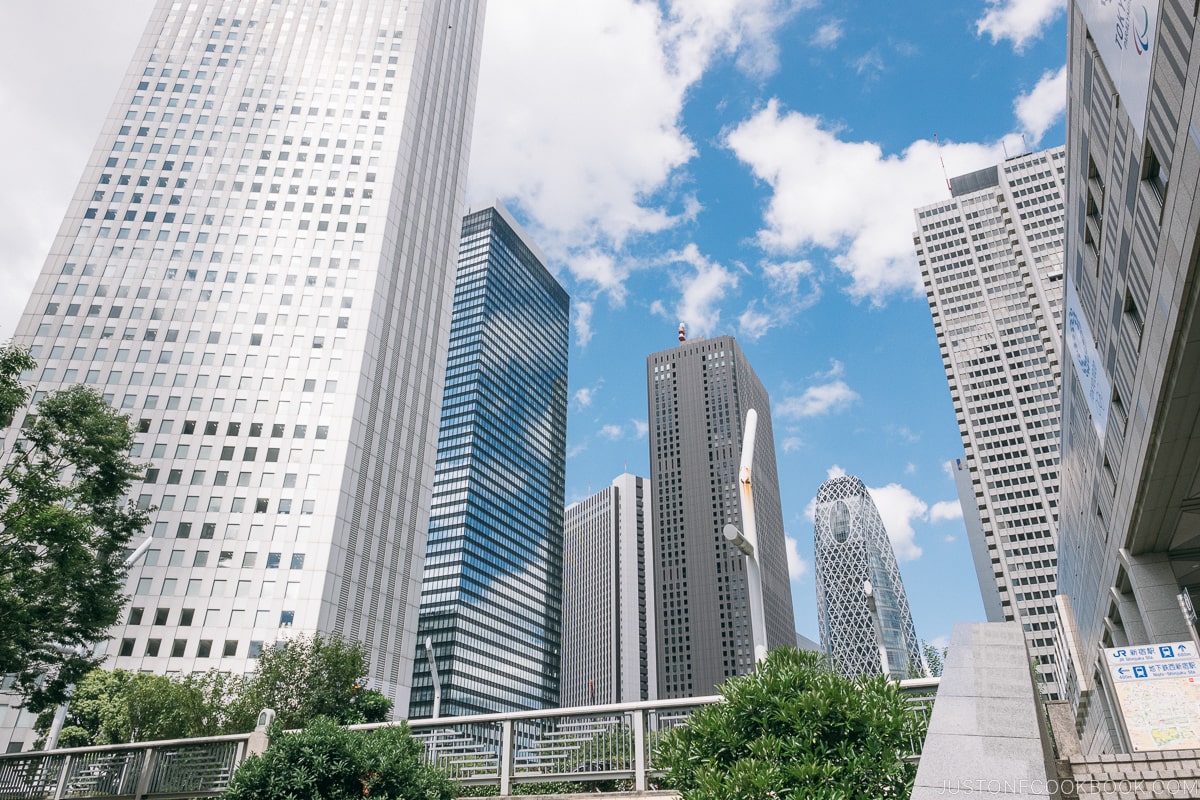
(1124, 32)
(1158, 689)
(1093, 380)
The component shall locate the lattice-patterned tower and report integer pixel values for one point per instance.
(852, 547)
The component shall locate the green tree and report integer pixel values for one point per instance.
(326, 762)
(64, 526)
(309, 677)
(797, 729)
(118, 706)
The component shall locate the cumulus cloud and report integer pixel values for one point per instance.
(792, 287)
(585, 395)
(791, 444)
(797, 565)
(899, 508)
(1019, 21)
(834, 472)
(945, 510)
(582, 311)
(848, 197)
(828, 34)
(825, 398)
(702, 285)
(1044, 106)
(591, 152)
(640, 428)
(614, 433)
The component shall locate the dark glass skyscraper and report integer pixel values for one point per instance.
(699, 393)
(491, 598)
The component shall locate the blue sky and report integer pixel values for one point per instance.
(746, 166)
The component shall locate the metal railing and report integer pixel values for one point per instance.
(583, 745)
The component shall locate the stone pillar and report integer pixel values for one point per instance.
(1155, 589)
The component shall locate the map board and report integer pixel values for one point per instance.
(1158, 689)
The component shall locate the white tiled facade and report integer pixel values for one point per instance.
(608, 640)
(991, 258)
(258, 267)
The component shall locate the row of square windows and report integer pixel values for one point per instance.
(204, 648)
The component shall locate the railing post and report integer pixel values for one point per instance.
(639, 749)
(146, 775)
(506, 757)
(61, 790)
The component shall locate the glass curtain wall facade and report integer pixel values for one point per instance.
(992, 260)
(699, 393)
(608, 597)
(491, 600)
(257, 266)
(851, 547)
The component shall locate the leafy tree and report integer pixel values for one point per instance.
(308, 677)
(120, 706)
(326, 762)
(795, 728)
(935, 658)
(64, 526)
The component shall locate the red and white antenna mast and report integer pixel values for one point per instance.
(682, 333)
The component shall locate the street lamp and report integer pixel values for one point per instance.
(60, 714)
(873, 607)
(747, 541)
(437, 682)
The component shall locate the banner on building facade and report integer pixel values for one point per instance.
(1124, 32)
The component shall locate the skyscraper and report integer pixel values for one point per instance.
(491, 599)
(699, 393)
(1130, 539)
(257, 266)
(852, 548)
(608, 647)
(991, 258)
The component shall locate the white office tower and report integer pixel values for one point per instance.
(258, 267)
(608, 639)
(991, 257)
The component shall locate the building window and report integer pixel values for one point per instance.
(1155, 174)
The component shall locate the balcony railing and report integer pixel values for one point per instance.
(586, 744)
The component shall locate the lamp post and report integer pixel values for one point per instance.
(873, 607)
(60, 714)
(747, 540)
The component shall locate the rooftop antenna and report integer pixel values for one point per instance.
(1004, 144)
(682, 333)
(943, 163)
(1024, 144)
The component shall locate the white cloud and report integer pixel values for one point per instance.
(797, 565)
(816, 400)
(1045, 104)
(828, 34)
(945, 510)
(910, 468)
(583, 321)
(792, 443)
(591, 146)
(869, 63)
(576, 449)
(792, 287)
(640, 428)
(836, 368)
(614, 433)
(1019, 21)
(834, 472)
(898, 507)
(948, 468)
(753, 324)
(848, 197)
(701, 289)
(583, 397)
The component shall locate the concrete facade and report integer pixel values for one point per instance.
(991, 257)
(1130, 532)
(257, 266)
(608, 643)
(986, 735)
(699, 393)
